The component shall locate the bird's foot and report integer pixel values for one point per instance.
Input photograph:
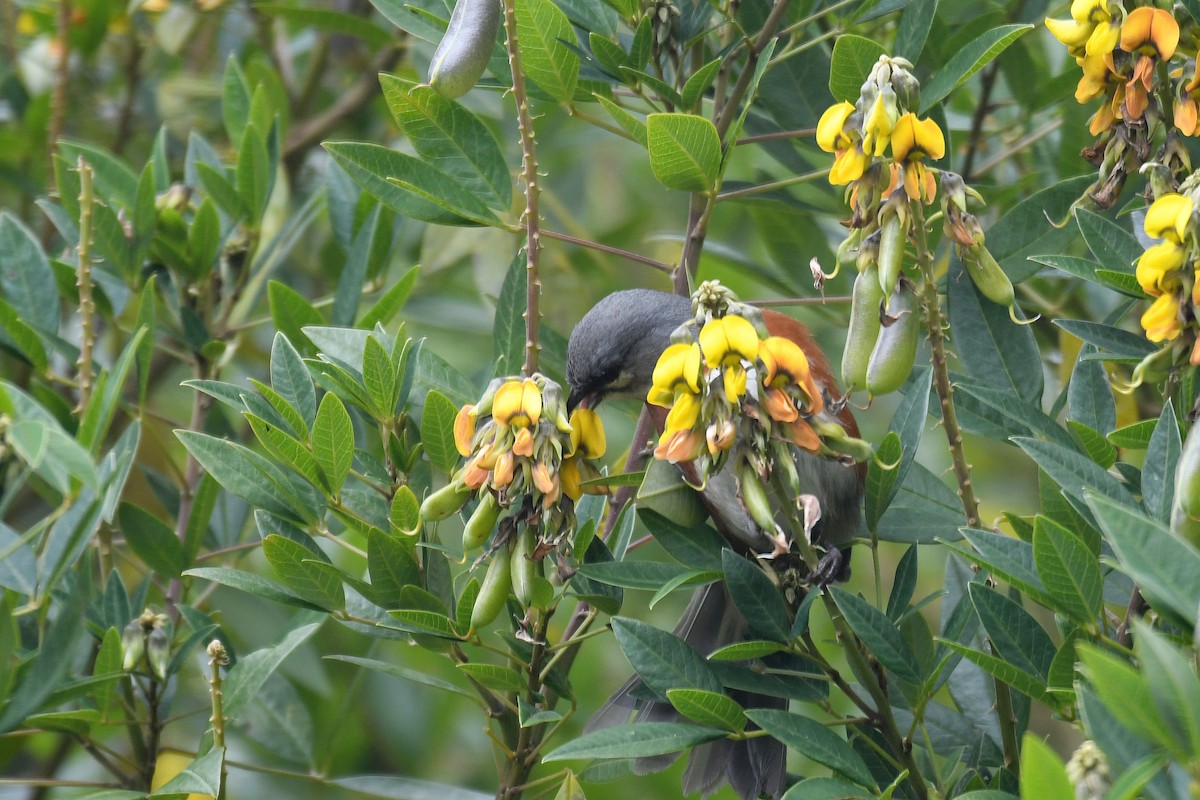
(830, 568)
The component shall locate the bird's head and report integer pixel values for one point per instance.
(615, 346)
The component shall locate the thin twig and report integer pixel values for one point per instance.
(58, 100)
(763, 188)
(799, 133)
(836, 299)
(133, 81)
(604, 248)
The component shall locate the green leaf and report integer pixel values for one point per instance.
(662, 660)
(244, 473)
(1010, 559)
(1158, 470)
(392, 566)
(1126, 694)
(851, 63)
(51, 453)
(204, 239)
(545, 32)
(1029, 227)
(254, 173)
(247, 677)
(296, 567)
(415, 676)
(24, 339)
(1107, 338)
(1043, 776)
(1069, 571)
(882, 482)
(698, 83)
(833, 789)
(508, 324)
(924, 510)
(685, 151)
(1113, 246)
(26, 280)
(815, 741)
(1175, 686)
(878, 633)
(1135, 436)
(152, 540)
(287, 450)
(698, 546)
(391, 301)
(966, 62)
(629, 123)
(1094, 444)
(913, 30)
(1072, 471)
(409, 186)
(372, 35)
(202, 776)
(379, 377)
(647, 575)
(291, 379)
(1165, 568)
(252, 583)
(1089, 395)
(354, 273)
(756, 597)
(404, 512)
(708, 708)
(635, 740)
(291, 311)
(1014, 634)
(1000, 669)
(437, 431)
(492, 676)
(745, 651)
(997, 352)
(451, 138)
(904, 584)
(333, 441)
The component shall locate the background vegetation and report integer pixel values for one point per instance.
(231, 356)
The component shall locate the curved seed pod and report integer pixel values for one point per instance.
(892, 359)
(479, 527)
(987, 275)
(864, 328)
(444, 502)
(838, 442)
(495, 589)
(891, 252)
(1187, 476)
(465, 50)
(754, 498)
(523, 568)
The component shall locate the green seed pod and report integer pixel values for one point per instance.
(754, 498)
(864, 328)
(892, 358)
(158, 651)
(495, 589)
(523, 568)
(444, 502)
(1185, 516)
(482, 522)
(838, 442)
(465, 50)
(987, 275)
(891, 251)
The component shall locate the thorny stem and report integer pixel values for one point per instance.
(937, 344)
(529, 167)
(217, 659)
(87, 304)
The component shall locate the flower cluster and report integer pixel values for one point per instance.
(523, 458)
(1168, 271)
(1119, 52)
(734, 386)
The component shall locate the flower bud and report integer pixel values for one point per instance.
(133, 645)
(158, 651)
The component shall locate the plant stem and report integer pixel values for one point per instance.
(1008, 728)
(762, 188)
(529, 173)
(604, 248)
(83, 280)
(934, 323)
(58, 100)
(217, 658)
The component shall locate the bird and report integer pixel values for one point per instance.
(612, 352)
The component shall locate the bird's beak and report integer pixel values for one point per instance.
(576, 400)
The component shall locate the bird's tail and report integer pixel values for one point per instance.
(754, 767)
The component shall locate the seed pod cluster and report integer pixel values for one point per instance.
(881, 342)
(963, 228)
(464, 52)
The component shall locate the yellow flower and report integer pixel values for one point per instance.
(679, 446)
(587, 434)
(880, 120)
(684, 413)
(1161, 320)
(1158, 265)
(849, 165)
(505, 469)
(1168, 217)
(785, 364)
(831, 132)
(518, 404)
(678, 369)
(728, 340)
(1090, 30)
(1071, 33)
(1151, 31)
(914, 138)
(547, 483)
(464, 429)
(1096, 73)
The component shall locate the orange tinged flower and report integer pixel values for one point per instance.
(464, 429)
(506, 466)
(517, 404)
(680, 446)
(804, 437)
(1151, 31)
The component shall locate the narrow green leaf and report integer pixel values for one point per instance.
(202, 776)
(914, 27)
(492, 676)
(243, 473)
(251, 583)
(253, 173)
(1113, 246)
(1015, 635)
(291, 311)
(662, 660)
(698, 83)
(815, 741)
(392, 566)
(878, 633)
(1174, 686)
(26, 280)
(882, 482)
(415, 676)
(1108, 338)
(386, 307)
(697, 546)
(547, 41)
(756, 597)
(745, 651)
(1043, 776)
(685, 151)
(437, 431)
(251, 672)
(1000, 669)
(629, 123)
(333, 441)
(404, 512)
(1069, 571)
(708, 708)
(292, 381)
(287, 450)
(295, 567)
(1126, 694)
(966, 62)
(1135, 436)
(1008, 558)
(635, 740)
(1158, 470)
(354, 273)
(152, 540)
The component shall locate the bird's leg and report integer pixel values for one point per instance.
(834, 565)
